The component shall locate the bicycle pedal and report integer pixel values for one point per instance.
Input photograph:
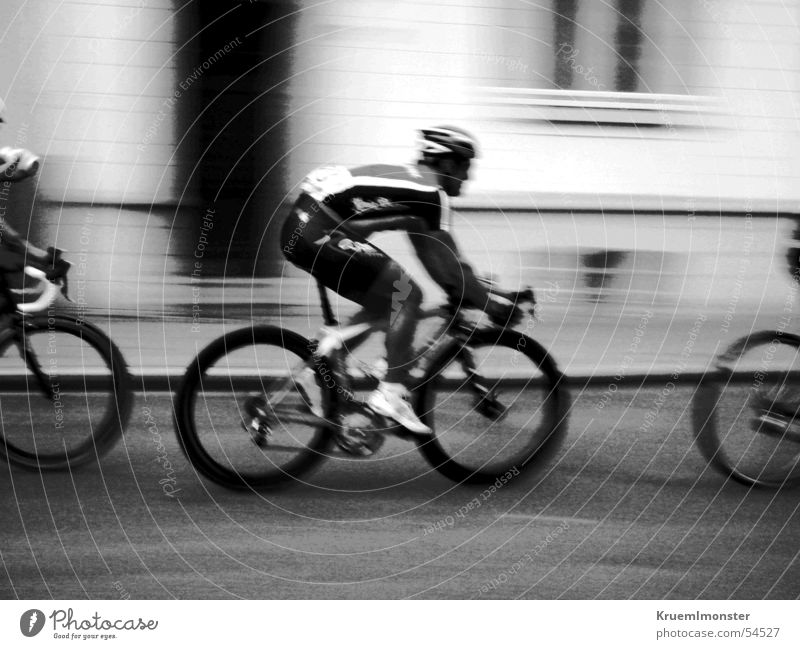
(358, 436)
(259, 431)
(358, 443)
(488, 405)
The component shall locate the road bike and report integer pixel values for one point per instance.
(263, 405)
(746, 411)
(65, 390)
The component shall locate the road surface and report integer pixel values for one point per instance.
(620, 513)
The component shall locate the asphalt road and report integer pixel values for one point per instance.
(624, 511)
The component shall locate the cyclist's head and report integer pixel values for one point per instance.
(448, 150)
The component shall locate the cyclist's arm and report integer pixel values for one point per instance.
(366, 227)
(14, 243)
(439, 254)
(16, 165)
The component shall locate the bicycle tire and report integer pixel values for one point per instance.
(92, 377)
(537, 444)
(731, 409)
(203, 433)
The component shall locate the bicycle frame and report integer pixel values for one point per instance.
(14, 309)
(335, 336)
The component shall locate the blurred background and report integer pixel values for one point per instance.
(636, 154)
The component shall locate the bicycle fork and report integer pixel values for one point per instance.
(486, 400)
(30, 358)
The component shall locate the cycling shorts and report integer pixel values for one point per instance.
(340, 259)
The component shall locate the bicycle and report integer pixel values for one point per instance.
(246, 418)
(65, 391)
(746, 411)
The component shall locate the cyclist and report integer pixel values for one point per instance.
(16, 165)
(326, 234)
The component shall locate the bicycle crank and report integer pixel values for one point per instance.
(257, 420)
(358, 435)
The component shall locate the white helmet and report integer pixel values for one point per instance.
(447, 141)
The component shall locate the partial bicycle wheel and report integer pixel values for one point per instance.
(746, 413)
(252, 409)
(491, 424)
(65, 393)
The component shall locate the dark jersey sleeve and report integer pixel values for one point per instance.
(374, 191)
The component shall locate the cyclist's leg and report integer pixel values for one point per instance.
(360, 271)
(370, 278)
(363, 273)
(394, 294)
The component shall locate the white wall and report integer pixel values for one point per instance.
(84, 83)
(722, 80)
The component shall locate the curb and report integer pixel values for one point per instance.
(169, 381)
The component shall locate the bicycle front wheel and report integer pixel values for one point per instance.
(496, 406)
(746, 413)
(65, 393)
(245, 417)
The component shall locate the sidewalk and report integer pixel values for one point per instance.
(588, 343)
(620, 295)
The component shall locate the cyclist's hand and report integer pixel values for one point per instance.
(503, 314)
(17, 164)
(56, 267)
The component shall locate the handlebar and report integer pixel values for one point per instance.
(520, 298)
(49, 282)
(48, 295)
(516, 297)
(19, 163)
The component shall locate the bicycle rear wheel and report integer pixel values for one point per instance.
(77, 407)
(243, 418)
(746, 414)
(511, 413)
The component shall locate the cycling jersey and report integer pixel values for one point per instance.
(374, 191)
(316, 237)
